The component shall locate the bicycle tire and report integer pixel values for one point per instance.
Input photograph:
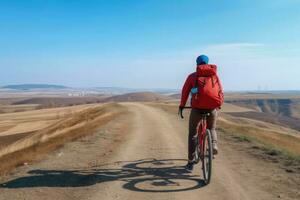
(207, 158)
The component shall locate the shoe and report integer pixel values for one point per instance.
(189, 166)
(215, 147)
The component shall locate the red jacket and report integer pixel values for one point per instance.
(203, 71)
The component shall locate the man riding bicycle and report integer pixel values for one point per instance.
(207, 96)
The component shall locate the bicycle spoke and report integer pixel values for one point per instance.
(207, 158)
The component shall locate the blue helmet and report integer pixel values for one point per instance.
(203, 59)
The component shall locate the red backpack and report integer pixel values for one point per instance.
(210, 92)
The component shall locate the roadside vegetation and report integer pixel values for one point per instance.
(283, 142)
(267, 148)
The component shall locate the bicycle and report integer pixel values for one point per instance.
(203, 151)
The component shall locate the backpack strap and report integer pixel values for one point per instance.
(212, 81)
(196, 80)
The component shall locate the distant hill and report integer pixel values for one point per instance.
(280, 107)
(175, 96)
(68, 101)
(59, 101)
(123, 90)
(34, 86)
(138, 96)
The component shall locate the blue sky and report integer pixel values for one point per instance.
(150, 43)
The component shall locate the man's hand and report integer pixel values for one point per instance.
(180, 109)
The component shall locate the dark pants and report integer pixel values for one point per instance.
(195, 117)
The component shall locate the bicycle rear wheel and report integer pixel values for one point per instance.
(207, 157)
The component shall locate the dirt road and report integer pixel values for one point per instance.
(141, 156)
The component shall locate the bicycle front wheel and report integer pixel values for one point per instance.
(207, 157)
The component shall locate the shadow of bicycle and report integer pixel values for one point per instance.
(147, 175)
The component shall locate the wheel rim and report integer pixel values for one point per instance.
(197, 152)
(207, 158)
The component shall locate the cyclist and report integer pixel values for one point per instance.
(207, 96)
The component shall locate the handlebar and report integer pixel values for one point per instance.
(181, 115)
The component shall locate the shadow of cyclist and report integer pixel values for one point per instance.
(147, 175)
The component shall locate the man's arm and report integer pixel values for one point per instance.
(186, 90)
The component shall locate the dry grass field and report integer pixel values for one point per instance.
(138, 97)
(52, 102)
(286, 140)
(17, 108)
(33, 120)
(25, 135)
(260, 95)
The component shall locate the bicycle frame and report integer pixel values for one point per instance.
(201, 131)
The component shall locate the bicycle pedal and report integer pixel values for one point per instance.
(196, 161)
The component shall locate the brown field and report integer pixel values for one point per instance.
(50, 102)
(231, 108)
(27, 121)
(280, 138)
(290, 122)
(23, 103)
(17, 108)
(138, 97)
(10, 100)
(34, 130)
(251, 95)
